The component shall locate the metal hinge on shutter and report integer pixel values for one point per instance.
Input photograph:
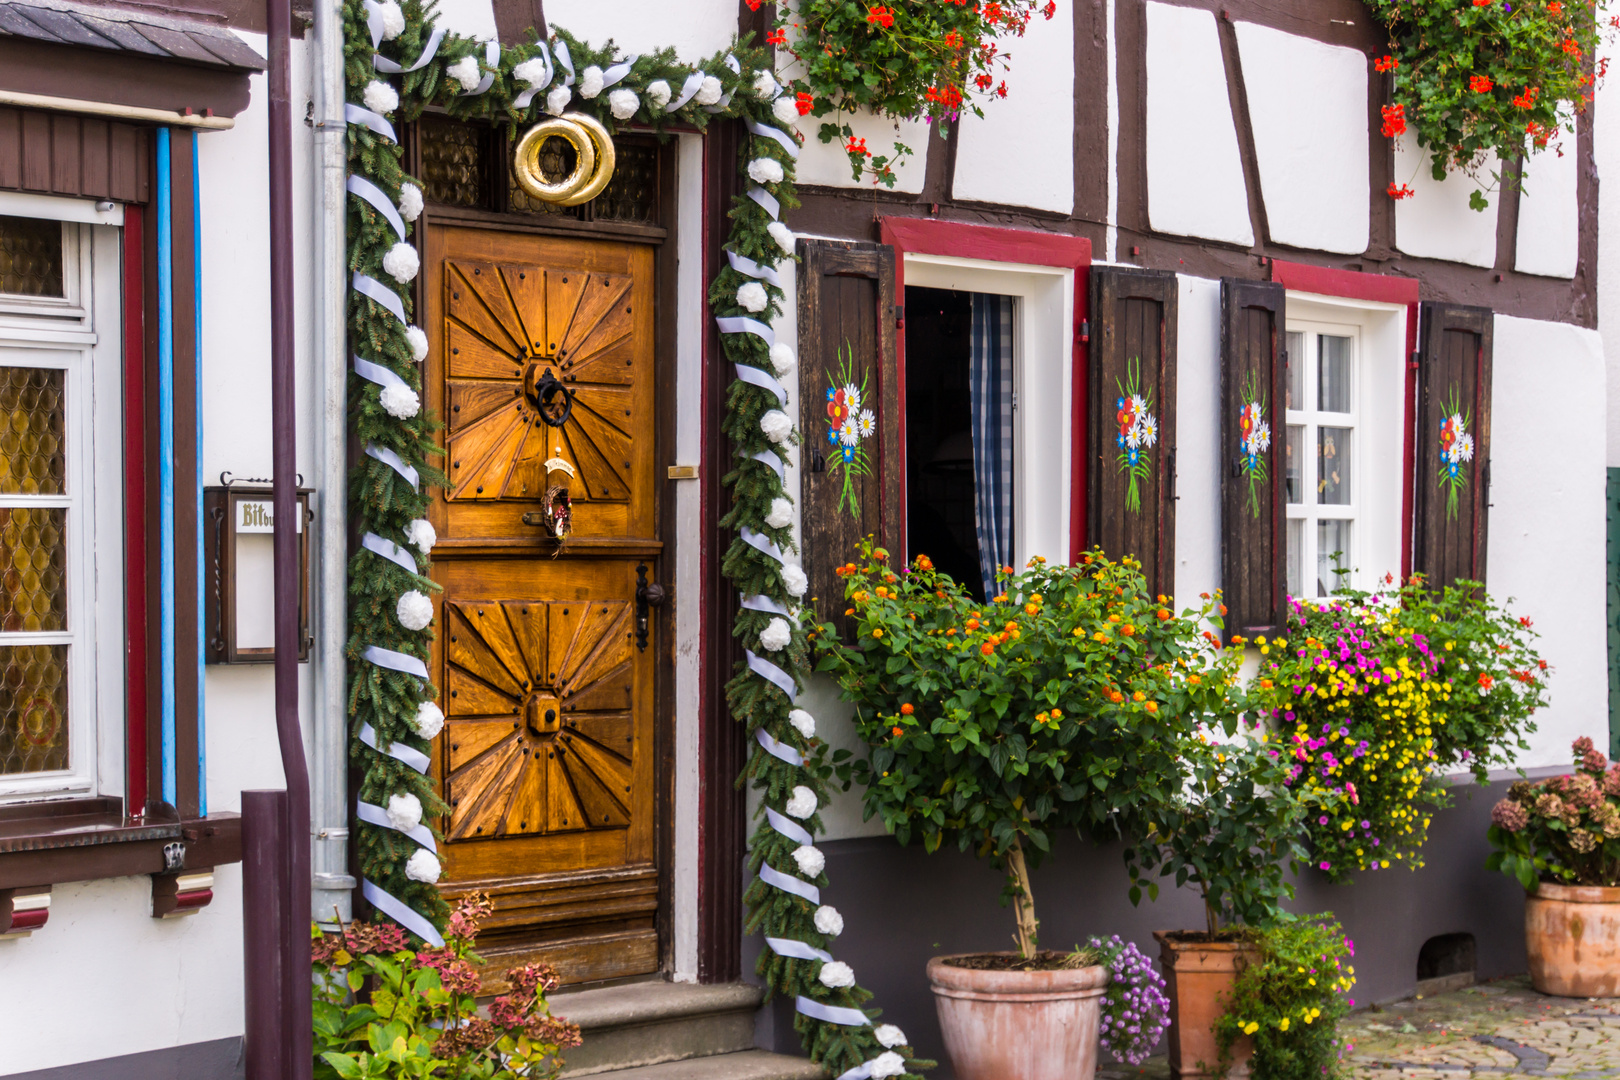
(899, 316)
(1015, 401)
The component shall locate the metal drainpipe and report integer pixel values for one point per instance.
(331, 896)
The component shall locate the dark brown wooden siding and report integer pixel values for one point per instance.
(60, 154)
(846, 307)
(1133, 351)
(1454, 379)
(1253, 513)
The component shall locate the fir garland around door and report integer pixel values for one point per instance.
(397, 63)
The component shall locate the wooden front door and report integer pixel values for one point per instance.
(547, 757)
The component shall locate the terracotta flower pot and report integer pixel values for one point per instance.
(1201, 974)
(1572, 933)
(1019, 1025)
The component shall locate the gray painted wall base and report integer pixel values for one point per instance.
(220, 1059)
(902, 906)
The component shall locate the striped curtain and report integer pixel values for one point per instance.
(990, 374)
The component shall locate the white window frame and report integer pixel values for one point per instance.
(65, 334)
(1377, 417)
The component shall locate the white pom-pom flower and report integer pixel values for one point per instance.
(885, 1065)
(765, 87)
(752, 296)
(782, 358)
(803, 723)
(624, 103)
(802, 803)
(417, 340)
(781, 515)
(836, 975)
(429, 720)
(421, 533)
(531, 73)
(423, 866)
(590, 82)
(777, 426)
(794, 580)
(380, 97)
(889, 1036)
(782, 235)
(775, 636)
(410, 202)
(709, 92)
(414, 609)
(465, 71)
(810, 859)
(828, 921)
(765, 170)
(393, 19)
(401, 263)
(399, 401)
(404, 811)
(786, 111)
(558, 100)
(659, 93)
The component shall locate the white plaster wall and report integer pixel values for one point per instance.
(826, 163)
(1606, 154)
(1436, 222)
(470, 18)
(1549, 234)
(1194, 170)
(696, 29)
(1021, 152)
(1546, 555)
(1308, 108)
(1198, 439)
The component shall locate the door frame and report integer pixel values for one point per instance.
(665, 264)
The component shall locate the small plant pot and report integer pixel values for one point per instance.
(1019, 1025)
(1572, 933)
(1200, 976)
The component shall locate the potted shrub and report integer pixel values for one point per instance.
(1064, 702)
(1560, 839)
(1286, 1004)
(1230, 832)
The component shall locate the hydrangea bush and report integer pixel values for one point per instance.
(1136, 1009)
(1290, 1000)
(1564, 830)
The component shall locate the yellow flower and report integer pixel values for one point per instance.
(1250, 1028)
(877, 633)
(1282, 1025)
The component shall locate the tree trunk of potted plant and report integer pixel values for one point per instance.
(1572, 933)
(1003, 1023)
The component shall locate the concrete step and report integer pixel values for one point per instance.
(637, 1025)
(744, 1065)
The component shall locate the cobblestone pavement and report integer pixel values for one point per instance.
(1495, 1029)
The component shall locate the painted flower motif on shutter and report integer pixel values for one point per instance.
(1456, 447)
(849, 424)
(1254, 440)
(1138, 432)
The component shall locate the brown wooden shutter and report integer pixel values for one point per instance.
(1451, 487)
(847, 333)
(1253, 512)
(1133, 354)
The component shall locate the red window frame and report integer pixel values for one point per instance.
(928, 236)
(1381, 288)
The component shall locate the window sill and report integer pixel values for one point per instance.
(50, 843)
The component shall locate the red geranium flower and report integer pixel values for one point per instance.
(806, 103)
(953, 39)
(880, 15)
(1479, 84)
(1394, 120)
(1401, 191)
(1387, 63)
(776, 37)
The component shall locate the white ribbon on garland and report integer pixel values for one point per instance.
(401, 753)
(561, 49)
(789, 884)
(763, 379)
(742, 324)
(429, 51)
(376, 815)
(396, 661)
(374, 372)
(797, 950)
(779, 750)
(760, 542)
(374, 21)
(832, 1014)
(689, 89)
(356, 114)
(753, 269)
(393, 461)
(788, 827)
(371, 193)
(763, 667)
(774, 460)
(374, 290)
(615, 74)
(380, 545)
(783, 139)
(401, 913)
(523, 99)
(492, 59)
(766, 200)
(760, 602)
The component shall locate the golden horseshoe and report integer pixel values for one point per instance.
(594, 159)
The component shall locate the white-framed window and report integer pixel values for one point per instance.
(1343, 446)
(61, 619)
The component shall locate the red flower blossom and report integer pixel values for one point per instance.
(1394, 120)
(1524, 621)
(1569, 46)
(1485, 680)
(854, 146)
(753, 5)
(1479, 84)
(880, 15)
(1386, 63)
(1482, 3)
(1001, 91)
(1050, 9)
(1555, 8)
(1401, 191)
(953, 40)
(806, 102)
(1527, 99)
(983, 80)
(776, 37)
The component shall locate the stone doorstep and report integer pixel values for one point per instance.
(633, 1026)
(744, 1065)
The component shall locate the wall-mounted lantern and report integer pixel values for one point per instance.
(239, 555)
